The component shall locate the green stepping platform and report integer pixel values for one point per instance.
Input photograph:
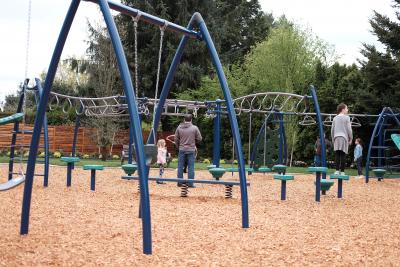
(211, 167)
(317, 169)
(217, 172)
(396, 139)
(379, 173)
(326, 185)
(264, 169)
(248, 169)
(129, 168)
(340, 177)
(93, 167)
(279, 168)
(285, 177)
(70, 159)
(13, 118)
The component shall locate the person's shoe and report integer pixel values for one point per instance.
(342, 173)
(336, 173)
(160, 182)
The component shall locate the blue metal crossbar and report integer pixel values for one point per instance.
(150, 19)
(178, 180)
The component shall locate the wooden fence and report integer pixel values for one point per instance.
(61, 137)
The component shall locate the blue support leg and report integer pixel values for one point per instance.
(41, 110)
(322, 139)
(340, 188)
(231, 115)
(283, 190)
(70, 166)
(134, 123)
(317, 188)
(92, 180)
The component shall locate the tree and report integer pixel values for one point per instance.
(103, 81)
(381, 70)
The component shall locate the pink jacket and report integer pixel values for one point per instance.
(162, 156)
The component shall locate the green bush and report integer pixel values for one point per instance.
(57, 154)
(86, 156)
(8, 153)
(115, 157)
(42, 154)
(235, 162)
(26, 154)
(174, 160)
(222, 161)
(206, 161)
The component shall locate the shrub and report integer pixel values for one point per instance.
(8, 153)
(174, 160)
(86, 156)
(26, 154)
(115, 157)
(42, 154)
(206, 161)
(100, 156)
(222, 161)
(57, 154)
(235, 162)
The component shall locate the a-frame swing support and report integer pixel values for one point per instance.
(187, 33)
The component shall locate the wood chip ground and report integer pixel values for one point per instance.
(76, 227)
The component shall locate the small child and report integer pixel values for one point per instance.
(358, 156)
(342, 136)
(161, 157)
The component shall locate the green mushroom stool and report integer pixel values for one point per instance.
(217, 172)
(129, 169)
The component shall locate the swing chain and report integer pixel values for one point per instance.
(135, 26)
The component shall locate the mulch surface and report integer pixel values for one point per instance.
(76, 227)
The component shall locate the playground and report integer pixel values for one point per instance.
(102, 172)
(75, 226)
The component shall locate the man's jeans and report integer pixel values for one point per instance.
(189, 157)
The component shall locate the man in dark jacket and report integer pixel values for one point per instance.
(187, 136)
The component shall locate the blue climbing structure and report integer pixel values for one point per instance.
(187, 34)
(383, 157)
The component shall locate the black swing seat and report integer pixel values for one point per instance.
(12, 118)
(12, 183)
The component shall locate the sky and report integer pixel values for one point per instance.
(342, 23)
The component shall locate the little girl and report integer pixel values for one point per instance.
(161, 157)
(342, 136)
(358, 156)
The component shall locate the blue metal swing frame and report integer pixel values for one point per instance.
(188, 33)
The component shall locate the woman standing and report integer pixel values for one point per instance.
(342, 136)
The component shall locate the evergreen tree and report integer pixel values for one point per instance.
(381, 70)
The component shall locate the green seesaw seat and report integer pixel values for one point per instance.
(283, 178)
(13, 118)
(325, 184)
(20, 179)
(70, 164)
(93, 169)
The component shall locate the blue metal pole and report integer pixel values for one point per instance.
(285, 152)
(93, 180)
(281, 136)
(217, 134)
(380, 142)
(46, 137)
(135, 123)
(371, 143)
(130, 149)
(283, 189)
(69, 173)
(231, 115)
(340, 188)
(26, 203)
(150, 19)
(322, 138)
